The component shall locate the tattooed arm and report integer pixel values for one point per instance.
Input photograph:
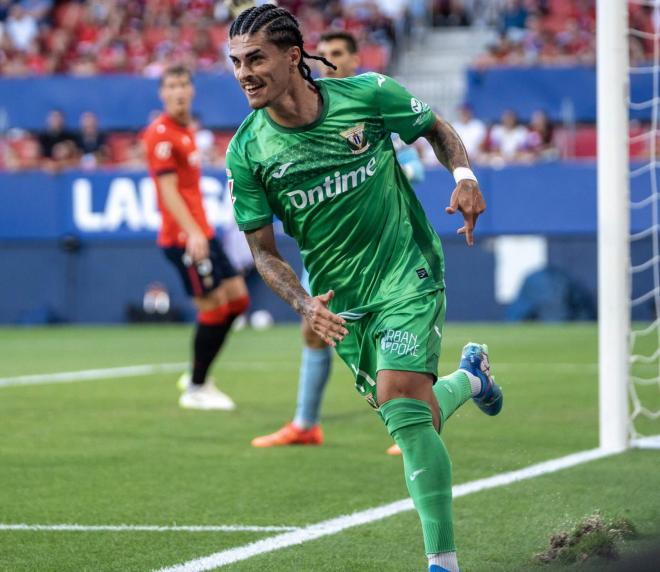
(281, 278)
(466, 197)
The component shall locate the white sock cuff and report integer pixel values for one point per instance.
(446, 560)
(475, 382)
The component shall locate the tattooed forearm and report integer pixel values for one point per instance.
(275, 271)
(282, 280)
(447, 145)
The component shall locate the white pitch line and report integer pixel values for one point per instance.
(127, 371)
(151, 369)
(143, 528)
(93, 374)
(336, 525)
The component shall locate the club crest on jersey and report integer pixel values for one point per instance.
(356, 139)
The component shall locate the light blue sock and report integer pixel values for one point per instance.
(314, 374)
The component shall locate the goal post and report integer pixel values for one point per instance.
(613, 223)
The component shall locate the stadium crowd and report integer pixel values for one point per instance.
(144, 36)
(41, 37)
(560, 32)
(59, 146)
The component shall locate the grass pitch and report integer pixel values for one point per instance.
(120, 451)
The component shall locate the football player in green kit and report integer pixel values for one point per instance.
(319, 156)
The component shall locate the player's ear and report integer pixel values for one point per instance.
(294, 54)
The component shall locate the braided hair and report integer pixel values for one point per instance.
(281, 28)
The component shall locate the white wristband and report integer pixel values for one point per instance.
(462, 173)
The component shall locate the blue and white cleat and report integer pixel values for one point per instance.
(437, 568)
(475, 360)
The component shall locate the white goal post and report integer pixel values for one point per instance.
(613, 223)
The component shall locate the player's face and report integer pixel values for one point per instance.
(176, 94)
(262, 69)
(336, 51)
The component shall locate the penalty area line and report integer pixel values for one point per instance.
(341, 523)
(143, 528)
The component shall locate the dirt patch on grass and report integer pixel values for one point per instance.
(592, 537)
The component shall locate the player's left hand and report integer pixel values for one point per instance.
(467, 199)
(327, 325)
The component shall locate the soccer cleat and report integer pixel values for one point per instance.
(206, 397)
(393, 450)
(475, 360)
(184, 381)
(291, 434)
(437, 568)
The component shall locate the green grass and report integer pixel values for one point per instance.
(121, 452)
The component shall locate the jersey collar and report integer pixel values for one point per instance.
(326, 105)
(165, 118)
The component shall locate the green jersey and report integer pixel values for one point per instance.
(340, 193)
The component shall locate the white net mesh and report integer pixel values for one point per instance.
(644, 34)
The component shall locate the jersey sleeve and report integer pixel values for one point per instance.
(251, 208)
(161, 154)
(402, 113)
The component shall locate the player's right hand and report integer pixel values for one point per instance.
(197, 246)
(467, 199)
(328, 326)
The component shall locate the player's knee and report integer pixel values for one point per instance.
(209, 302)
(215, 316)
(233, 288)
(311, 338)
(238, 306)
(401, 413)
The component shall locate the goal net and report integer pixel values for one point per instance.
(644, 232)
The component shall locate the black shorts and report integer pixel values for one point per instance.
(204, 276)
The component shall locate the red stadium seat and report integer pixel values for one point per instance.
(585, 141)
(373, 57)
(584, 144)
(118, 145)
(222, 139)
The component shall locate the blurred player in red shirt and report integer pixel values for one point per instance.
(187, 239)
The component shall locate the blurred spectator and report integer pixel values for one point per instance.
(507, 139)
(513, 18)
(5, 5)
(205, 142)
(21, 28)
(38, 9)
(450, 13)
(134, 157)
(91, 142)
(472, 131)
(19, 152)
(58, 144)
(29, 157)
(540, 138)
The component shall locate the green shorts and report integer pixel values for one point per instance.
(405, 336)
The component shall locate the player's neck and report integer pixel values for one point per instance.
(298, 106)
(180, 118)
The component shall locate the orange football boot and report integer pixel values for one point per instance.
(291, 434)
(393, 450)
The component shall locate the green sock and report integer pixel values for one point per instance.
(451, 391)
(427, 468)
